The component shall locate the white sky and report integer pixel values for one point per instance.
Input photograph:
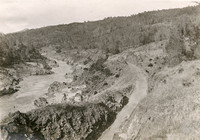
(16, 15)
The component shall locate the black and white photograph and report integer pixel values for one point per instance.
(99, 70)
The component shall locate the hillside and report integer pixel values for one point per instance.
(114, 35)
(170, 111)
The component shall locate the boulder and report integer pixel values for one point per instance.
(54, 88)
(41, 102)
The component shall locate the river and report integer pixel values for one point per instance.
(32, 87)
(137, 95)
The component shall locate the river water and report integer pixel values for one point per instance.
(137, 95)
(32, 87)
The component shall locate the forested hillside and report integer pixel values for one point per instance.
(13, 52)
(115, 34)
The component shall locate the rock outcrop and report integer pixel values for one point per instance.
(59, 122)
(51, 63)
(41, 102)
(55, 87)
(8, 91)
(8, 82)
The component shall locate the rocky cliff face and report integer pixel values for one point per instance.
(59, 122)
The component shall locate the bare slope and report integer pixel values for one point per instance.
(171, 110)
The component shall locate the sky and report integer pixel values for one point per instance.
(17, 15)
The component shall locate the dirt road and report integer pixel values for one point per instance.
(137, 95)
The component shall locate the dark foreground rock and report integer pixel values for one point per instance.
(59, 122)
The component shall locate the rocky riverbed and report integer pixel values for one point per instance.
(43, 111)
(31, 88)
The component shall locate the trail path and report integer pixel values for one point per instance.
(138, 94)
